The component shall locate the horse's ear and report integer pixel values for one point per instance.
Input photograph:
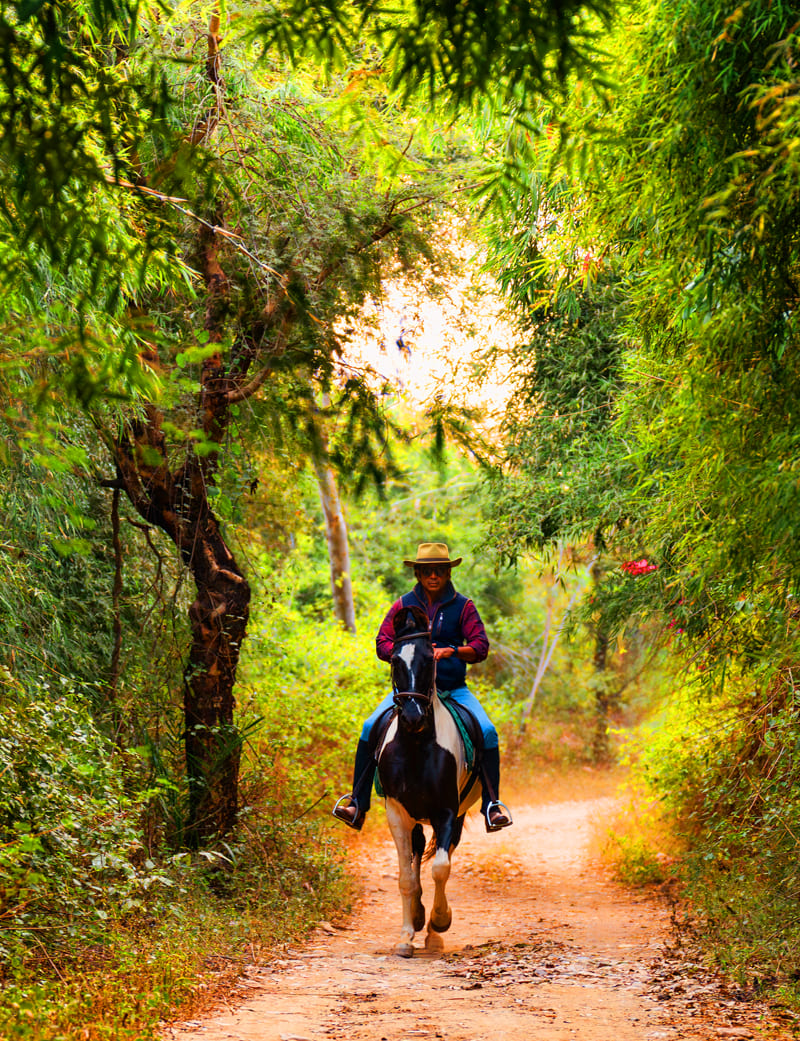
(401, 619)
(410, 620)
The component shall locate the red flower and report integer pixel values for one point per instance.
(638, 567)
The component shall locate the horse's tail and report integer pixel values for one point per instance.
(430, 849)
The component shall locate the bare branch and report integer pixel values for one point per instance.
(233, 397)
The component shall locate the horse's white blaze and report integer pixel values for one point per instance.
(406, 654)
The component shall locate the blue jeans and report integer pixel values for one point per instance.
(462, 696)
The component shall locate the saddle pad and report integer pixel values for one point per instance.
(469, 746)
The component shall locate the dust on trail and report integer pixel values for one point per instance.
(543, 946)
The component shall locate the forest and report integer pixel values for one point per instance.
(214, 459)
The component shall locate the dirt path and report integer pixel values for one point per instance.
(543, 946)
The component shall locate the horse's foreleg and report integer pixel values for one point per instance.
(441, 915)
(401, 825)
(417, 849)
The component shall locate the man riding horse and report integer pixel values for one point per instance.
(459, 638)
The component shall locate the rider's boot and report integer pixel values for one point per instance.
(495, 814)
(352, 808)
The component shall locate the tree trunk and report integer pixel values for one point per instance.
(218, 619)
(601, 749)
(338, 549)
(335, 529)
(601, 681)
(176, 501)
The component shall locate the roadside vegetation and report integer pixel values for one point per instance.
(111, 923)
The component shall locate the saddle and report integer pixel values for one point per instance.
(465, 722)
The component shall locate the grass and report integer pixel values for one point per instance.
(143, 979)
(741, 913)
(175, 963)
(748, 920)
(637, 842)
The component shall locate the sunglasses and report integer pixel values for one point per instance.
(442, 570)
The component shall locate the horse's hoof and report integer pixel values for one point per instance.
(419, 919)
(434, 942)
(404, 950)
(443, 924)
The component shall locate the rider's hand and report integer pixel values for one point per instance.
(443, 652)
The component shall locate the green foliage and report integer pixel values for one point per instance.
(424, 503)
(71, 860)
(691, 468)
(640, 843)
(50, 555)
(700, 425)
(564, 473)
(58, 608)
(127, 981)
(86, 895)
(725, 769)
(309, 683)
(667, 195)
(635, 861)
(711, 313)
(444, 51)
(66, 93)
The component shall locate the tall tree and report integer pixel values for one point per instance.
(259, 318)
(237, 242)
(335, 532)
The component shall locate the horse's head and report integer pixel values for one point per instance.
(413, 670)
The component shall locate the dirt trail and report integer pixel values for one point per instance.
(543, 946)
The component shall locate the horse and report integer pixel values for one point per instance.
(425, 777)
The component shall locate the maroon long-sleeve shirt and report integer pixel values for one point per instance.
(471, 627)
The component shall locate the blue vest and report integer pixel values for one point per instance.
(445, 632)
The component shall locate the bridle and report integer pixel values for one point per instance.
(404, 695)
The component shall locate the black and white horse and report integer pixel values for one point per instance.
(423, 770)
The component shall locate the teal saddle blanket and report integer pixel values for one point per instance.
(469, 744)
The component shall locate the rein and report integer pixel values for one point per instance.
(412, 636)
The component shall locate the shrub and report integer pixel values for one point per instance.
(71, 855)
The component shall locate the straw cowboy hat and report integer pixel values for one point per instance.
(433, 553)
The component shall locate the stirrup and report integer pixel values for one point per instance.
(499, 806)
(358, 819)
